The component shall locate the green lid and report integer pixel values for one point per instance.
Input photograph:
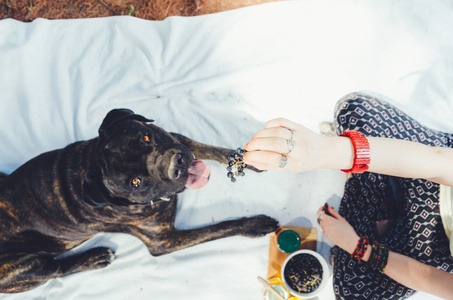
(288, 241)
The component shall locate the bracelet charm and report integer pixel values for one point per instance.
(236, 164)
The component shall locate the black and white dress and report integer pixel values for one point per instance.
(413, 204)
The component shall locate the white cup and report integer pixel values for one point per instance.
(325, 274)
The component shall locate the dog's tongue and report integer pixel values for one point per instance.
(198, 175)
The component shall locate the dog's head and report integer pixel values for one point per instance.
(138, 162)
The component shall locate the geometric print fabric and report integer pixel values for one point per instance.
(411, 204)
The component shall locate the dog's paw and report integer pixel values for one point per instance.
(92, 259)
(101, 257)
(259, 225)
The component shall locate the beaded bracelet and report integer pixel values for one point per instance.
(236, 164)
(379, 257)
(361, 247)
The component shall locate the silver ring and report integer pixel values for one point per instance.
(292, 133)
(283, 161)
(319, 217)
(290, 143)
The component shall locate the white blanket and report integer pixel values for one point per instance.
(217, 78)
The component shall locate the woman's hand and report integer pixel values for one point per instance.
(302, 149)
(337, 230)
(403, 269)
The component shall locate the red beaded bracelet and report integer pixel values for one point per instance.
(361, 151)
(361, 247)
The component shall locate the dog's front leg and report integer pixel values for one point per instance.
(203, 151)
(173, 239)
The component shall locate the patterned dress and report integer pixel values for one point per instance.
(413, 204)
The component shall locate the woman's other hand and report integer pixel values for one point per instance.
(337, 230)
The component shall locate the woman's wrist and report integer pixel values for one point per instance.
(350, 246)
(338, 153)
(350, 242)
(368, 248)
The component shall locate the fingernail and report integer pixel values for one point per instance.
(326, 209)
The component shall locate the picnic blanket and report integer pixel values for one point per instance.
(217, 79)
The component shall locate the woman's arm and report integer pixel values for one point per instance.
(412, 160)
(400, 268)
(388, 156)
(419, 276)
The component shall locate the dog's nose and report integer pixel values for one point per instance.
(177, 163)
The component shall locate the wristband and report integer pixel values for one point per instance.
(361, 151)
(379, 257)
(361, 247)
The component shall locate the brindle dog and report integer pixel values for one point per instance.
(125, 180)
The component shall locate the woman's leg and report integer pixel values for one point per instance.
(411, 205)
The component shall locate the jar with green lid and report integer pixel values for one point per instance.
(288, 241)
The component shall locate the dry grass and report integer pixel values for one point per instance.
(28, 10)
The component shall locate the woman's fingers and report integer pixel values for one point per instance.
(269, 160)
(319, 210)
(268, 144)
(334, 213)
(277, 132)
(285, 146)
(322, 215)
(282, 122)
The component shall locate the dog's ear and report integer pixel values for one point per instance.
(120, 114)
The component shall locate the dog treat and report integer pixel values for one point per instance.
(303, 273)
(236, 164)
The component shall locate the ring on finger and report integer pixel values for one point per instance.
(283, 161)
(292, 133)
(319, 217)
(290, 142)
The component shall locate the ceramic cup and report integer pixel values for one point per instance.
(298, 262)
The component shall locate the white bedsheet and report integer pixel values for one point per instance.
(217, 78)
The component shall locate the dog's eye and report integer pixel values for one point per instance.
(136, 182)
(146, 138)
